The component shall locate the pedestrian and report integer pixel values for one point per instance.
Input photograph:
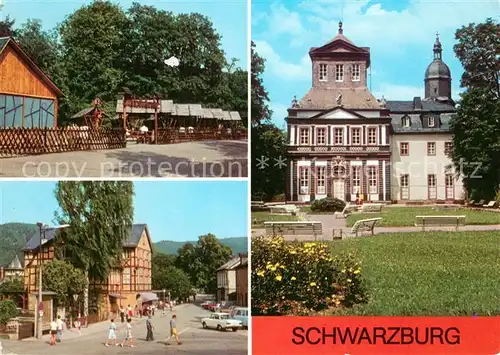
(78, 324)
(149, 328)
(129, 313)
(173, 330)
(122, 314)
(59, 323)
(171, 307)
(53, 332)
(128, 334)
(153, 307)
(112, 333)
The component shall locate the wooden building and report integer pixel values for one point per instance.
(28, 98)
(125, 285)
(14, 269)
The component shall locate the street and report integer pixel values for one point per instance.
(195, 339)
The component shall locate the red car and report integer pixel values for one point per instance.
(213, 307)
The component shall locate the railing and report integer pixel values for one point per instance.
(339, 149)
(32, 141)
(172, 135)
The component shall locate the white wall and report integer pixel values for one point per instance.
(231, 277)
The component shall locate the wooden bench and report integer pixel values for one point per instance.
(371, 207)
(439, 221)
(257, 206)
(298, 228)
(290, 210)
(348, 209)
(365, 225)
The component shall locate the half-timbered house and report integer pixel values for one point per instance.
(28, 97)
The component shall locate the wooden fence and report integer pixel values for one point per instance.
(170, 136)
(32, 141)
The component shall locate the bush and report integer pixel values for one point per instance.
(8, 310)
(327, 205)
(301, 278)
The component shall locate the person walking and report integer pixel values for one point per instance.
(173, 330)
(149, 328)
(53, 332)
(129, 313)
(59, 323)
(112, 333)
(122, 314)
(128, 334)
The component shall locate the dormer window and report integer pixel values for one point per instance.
(431, 121)
(355, 72)
(323, 73)
(406, 121)
(339, 72)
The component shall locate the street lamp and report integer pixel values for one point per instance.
(39, 309)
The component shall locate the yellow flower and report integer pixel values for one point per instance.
(273, 268)
(337, 302)
(269, 265)
(279, 277)
(343, 270)
(312, 284)
(293, 252)
(293, 278)
(260, 273)
(349, 280)
(357, 271)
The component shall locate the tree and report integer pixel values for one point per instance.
(173, 280)
(7, 27)
(12, 289)
(260, 98)
(201, 261)
(64, 279)
(100, 215)
(476, 126)
(8, 310)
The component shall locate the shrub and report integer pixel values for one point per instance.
(8, 310)
(279, 198)
(327, 205)
(301, 278)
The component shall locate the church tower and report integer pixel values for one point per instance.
(438, 77)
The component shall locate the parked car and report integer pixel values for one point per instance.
(241, 314)
(213, 307)
(221, 321)
(206, 304)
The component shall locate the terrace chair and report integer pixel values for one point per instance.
(471, 203)
(348, 209)
(491, 204)
(480, 203)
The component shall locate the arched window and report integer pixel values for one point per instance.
(406, 122)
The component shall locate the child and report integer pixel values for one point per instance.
(128, 335)
(173, 330)
(53, 332)
(112, 333)
(149, 328)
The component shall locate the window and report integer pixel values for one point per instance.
(431, 121)
(320, 180)
(339, 136)
(304, 136)
(431, 148)
(339, 72)
(19, 111)
(356, 136)
(372, 179)
(448, 146)
(356, 179)
(406, 121)
(323, 74)
(304, 181)
(431, 186)
(372, 135)
(449, 186)
(355, 72)
(321, 136)
(404, 148)
(405, 191)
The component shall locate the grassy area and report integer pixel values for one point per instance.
(307, 210)
(258, 218)
(441, 273)
(405, 216)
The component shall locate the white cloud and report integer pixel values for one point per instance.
(282, 69)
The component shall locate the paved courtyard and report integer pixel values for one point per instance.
(191, 159)
(195, 339)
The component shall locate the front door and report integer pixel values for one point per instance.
(339, 189)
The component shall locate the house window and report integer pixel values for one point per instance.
(431, 121)
(321, 136)
(431, 186)
(404, 148)
(356, 136)
(323, 74)
(431, 148)
(372, 179)
(406, 121)
(405, 183)
(372, 135)
(355, 72)
(304, 136)
(449, 185)
(304, 181)
(356, 179)
(339, 136)
(448, 146)
(320, 180)
(339, 72)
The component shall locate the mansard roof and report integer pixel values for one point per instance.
(416, 125)
(418, 105)
(318, 98)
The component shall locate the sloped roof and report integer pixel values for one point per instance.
(352, 98)
(83, 112)
(427, 106)
(416, 123)
(5, 41)
(231, 264)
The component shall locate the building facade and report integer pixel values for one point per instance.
(242, 282)
(13, 270)
(226, 280)
(344, 143)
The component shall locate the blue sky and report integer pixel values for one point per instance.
(229, 16)
(400, 34)
(173, 210)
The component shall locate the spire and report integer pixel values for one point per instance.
(437, 47)
(341, 31)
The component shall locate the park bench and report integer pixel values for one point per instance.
(371, 207)
(480, 203)
(348, 209)
(365, 225)
(471, 203)
(491, 204)
(284, 209)
(297, 228)
(439, 221)
(257, 206)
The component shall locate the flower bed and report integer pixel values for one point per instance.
(297, 278)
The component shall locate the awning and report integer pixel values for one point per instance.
(116, 295)
(148, 297)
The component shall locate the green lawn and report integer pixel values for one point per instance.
(437, 273)
(307, 210)
(258, 218)
(405, 216)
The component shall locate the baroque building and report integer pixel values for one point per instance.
(345, 143)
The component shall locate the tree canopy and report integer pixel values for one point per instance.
(64, 279)
(166, 276)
